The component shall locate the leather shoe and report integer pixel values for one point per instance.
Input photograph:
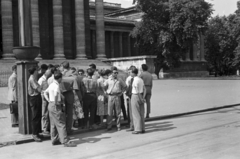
(56, 142)
(109, 129)
(136, 132)
(70, 144)
(14, 125)
(130, 129)
(143, 131)
(36, 138)
(118, 129)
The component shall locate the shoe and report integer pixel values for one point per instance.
(109, 129)
(40, 136)
(136, 132)
(47, 133)
(56, 142)
(130, 129)
(36, 138)
(74, 129)
(14, 125)
(118, 129)
(70, 144)
(143, 131)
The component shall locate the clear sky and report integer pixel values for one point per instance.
(221, 7)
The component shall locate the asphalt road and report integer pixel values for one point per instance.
(208, 135)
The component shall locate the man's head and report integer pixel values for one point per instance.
(43, 69)
(108, 72)
(14, 68)
(93, 66)
(144, 67)
(90, 72)
(48, 73)
(33, 71)
(58, 76)
(114, 72)
(81, 72)
(73, 69)
(130, 69)
(134, 72)
(64, 66)
(102, 73)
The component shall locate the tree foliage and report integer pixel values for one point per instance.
(222, 43)
(169, 27)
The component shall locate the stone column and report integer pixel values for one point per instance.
(120, 45)
(80, 30)
(129, 45)
(195, 51)
(112, 44)
(100, 30)
(58, 30)
(35, 25)
(7, 29)
(202, 56)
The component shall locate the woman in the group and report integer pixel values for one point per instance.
(102, 108)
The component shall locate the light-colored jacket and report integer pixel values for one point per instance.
(12, 87)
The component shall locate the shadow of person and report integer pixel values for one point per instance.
(89, 140)
(161, 126)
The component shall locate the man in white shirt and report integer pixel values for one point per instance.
(137, 102)
(56, 114)
(45, 115)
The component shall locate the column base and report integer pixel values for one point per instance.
(81, 57)
(60, 57)
(8, 56)
(101, 57)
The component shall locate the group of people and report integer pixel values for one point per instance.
(61, 97)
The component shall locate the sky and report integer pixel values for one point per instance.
(221, 7)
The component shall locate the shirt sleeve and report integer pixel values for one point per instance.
(34, 84)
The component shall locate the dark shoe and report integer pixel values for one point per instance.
(130, 129)
(147, 116)
(118, 129)
(136, 132)
(56, 142)
(47, 133)
(40, 136)
(36, 138)
(70, 144)
(143, 131)
(109, 129)
(14, 125)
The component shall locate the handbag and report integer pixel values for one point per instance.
(13, 108)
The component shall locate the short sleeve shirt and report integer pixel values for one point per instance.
(147, 78)
(54, 90)
(90, 85)
(114, 86)
(33, 86)
(137, 86)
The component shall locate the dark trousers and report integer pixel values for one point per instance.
(123, 108)
(45, 115)
(89, 106)
(69, 100)
(35, 103)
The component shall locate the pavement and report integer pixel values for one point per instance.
(171, 98)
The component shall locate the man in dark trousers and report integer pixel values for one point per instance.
(148, 82)
(35, 102)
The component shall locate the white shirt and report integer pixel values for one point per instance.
(137, 86)
(50, 79)
(128, 80)
(42, 79)
(52, 91)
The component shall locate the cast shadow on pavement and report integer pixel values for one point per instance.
(160, 126)
(89, 140)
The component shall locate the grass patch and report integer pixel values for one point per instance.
(3, 106)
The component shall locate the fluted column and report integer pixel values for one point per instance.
(195, 51)
(7, 29)
(188, 55)
(202, 56)
(80, 30)
(129, 45)
(100, 29)
(120, 45)
(58, 30)
(112, 44)
(35, 25)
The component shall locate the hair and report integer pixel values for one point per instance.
(81, 70)
(65, 65)
(32, 69)
(144, 67)
(113, 68)
(53, 69)
(57, 75)
(135, 71)
(93, 66)
(14, 67)
(90, 72)
(44, 67)
(102, 72)
(56, 66)
(107, 72)
(50, 66)
(73, 69)
(131, 67)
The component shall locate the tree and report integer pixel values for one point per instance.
(169, 27)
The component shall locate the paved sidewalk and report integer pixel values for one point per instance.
(170, 98)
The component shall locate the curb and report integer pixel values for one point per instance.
(29, 139)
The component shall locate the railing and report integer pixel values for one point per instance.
(4, 75)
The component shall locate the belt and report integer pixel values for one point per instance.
(137, 94)
(115, 94)
(90, 93)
